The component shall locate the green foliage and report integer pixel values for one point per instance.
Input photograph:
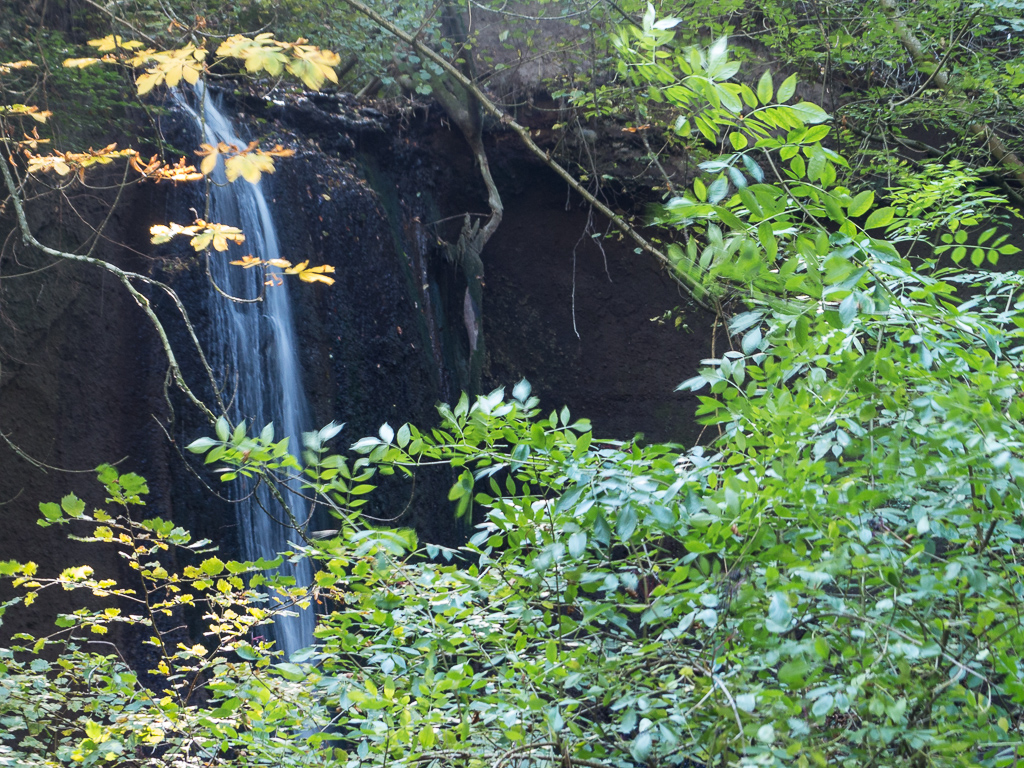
(834, 579)
(85, 104)
(841, 43)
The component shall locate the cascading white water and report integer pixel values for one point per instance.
(254, 346)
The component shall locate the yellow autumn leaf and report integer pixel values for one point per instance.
(145, 82)
(281, 263)
(209, 153)
(219, 234)
(201, 241)
(143, 57)
(259, 53)
(56, 163)
(163, 234)
(317, 275)
(7, 67)
(266, 58)
(313, 65)
(112, 42)
(171, 68)
(80, 63)
(203, 234)
(250, 166)
(297, 268)
(247, 262)
(235, 46)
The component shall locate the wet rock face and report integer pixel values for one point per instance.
(377, 197)
(582, 317)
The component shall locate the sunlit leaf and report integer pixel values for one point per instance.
(313, 66)
(113, 42)
(80, 63)
(250, 166)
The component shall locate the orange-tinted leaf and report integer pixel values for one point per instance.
(250, 166)
(180, 171)
(9, 66)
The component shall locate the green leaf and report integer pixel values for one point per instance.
(93, 730)
(793, 672)
(641, 747)
(823, 705)
(245, 651)
(802, 331)
(786, 90)
(290, 671)
(212, 566)
(577, 545)
(816, 134)
(780, 616)
(718, 190)
(72, 505)
(808, 112)
(765, 87)
(626, 523)
(50, 511)
(816, 165)
(201, 445)
(880, 217)
(861, 203)
(848, 310)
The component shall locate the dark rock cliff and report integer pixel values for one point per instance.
(376, 197)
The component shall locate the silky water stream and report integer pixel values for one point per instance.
(254, 348)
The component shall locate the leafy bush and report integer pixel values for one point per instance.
(834, 580)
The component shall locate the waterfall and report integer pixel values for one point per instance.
(254, 347)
